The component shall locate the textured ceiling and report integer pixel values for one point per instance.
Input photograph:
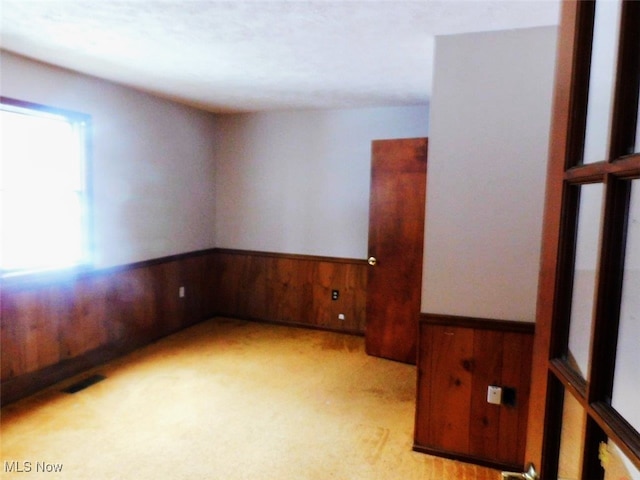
(260, 55)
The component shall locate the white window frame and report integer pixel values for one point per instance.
(81, 124)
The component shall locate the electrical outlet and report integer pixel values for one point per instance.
(341, 316)
(181, 292)
(494, 395)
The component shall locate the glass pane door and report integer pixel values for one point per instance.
(593, 389)
(602, 79)
(584, 277)
(626, 382)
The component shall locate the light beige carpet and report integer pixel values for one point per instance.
(230, 400)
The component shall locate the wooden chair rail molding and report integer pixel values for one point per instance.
(458, 359)
(56, 325)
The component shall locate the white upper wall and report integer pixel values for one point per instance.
(490, 120)
(152, 162)
(291, 182)
(298, 181)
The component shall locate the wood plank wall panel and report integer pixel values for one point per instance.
(13, 355)
(240, 285)
(87, 323)
(324, 278)
(458, 358)
(55, 327)
(166, 281)
(292, 289)
(517, 354)
(485, 417)
(132, 307)
(196, 274)
(285, 289)
(352, 282)
(449, 387)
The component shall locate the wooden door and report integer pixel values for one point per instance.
(396, 232)
(584, 412)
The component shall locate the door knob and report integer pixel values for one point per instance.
(372, 261)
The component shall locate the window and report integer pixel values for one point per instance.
(44, 213)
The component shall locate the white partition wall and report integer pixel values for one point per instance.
(489, 130)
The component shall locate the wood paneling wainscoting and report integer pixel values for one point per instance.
(57, 325)
(458, 358)
(291, 289)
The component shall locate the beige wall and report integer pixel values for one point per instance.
(152, 162)
(298, 181)
(171, 179)
(489, 130)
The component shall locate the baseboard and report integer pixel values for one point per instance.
(468, 458)
(308, 326)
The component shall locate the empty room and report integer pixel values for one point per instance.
(320, 239)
